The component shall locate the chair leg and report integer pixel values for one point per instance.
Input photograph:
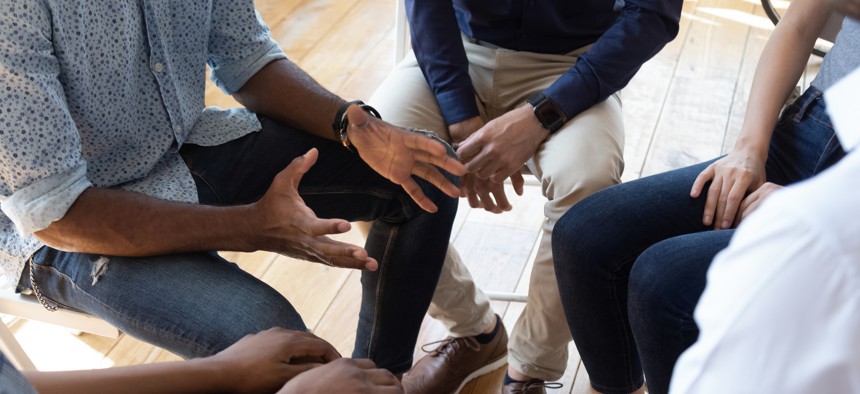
(13, 350)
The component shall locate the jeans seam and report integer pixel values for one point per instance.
(209, 185)
(392, 235)
(613, 291)
(831, 145)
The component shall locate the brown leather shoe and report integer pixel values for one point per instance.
(454, 362)
(530, 387)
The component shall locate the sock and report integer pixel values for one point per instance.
(509, 380)
(484, 339)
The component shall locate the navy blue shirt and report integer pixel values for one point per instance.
(624, 35)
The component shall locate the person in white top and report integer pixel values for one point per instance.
(781, 310)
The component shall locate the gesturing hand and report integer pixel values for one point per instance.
(398, 154)
(262, 362)
(289, 227)
(344, 376)
(732, 177)
(500, 148)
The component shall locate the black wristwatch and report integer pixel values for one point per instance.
(548, 113)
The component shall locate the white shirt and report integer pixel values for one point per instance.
(781, 311)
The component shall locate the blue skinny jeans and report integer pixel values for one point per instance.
(196, 304)
(631, 260)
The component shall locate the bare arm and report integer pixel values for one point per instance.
(283, 91)
(259, 363)
(121, 223)
(780, 66)
(300, 101)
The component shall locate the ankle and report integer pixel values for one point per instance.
(488, 335)
(514, 376)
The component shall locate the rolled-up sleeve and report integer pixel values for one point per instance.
(239, 44)
(42, 171)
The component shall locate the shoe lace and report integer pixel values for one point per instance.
(533, 384)
(450, 345)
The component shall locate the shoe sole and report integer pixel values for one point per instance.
(492, 366)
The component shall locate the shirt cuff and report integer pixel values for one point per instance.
(457, 105)
(574, 92)
(231, 77)
(36, 206)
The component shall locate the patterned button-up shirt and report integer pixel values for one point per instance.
(102, 93)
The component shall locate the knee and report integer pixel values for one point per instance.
(565, 188)
(249, 314)
(656, 286)
(582, 241)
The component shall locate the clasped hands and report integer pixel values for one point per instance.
(490, 154)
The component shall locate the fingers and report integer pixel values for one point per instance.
(711, 202)
(430, 151)
(328, 226)
(298, 347)
(341, 254)
(382, 377)
(467, 190)
(746, 207)
(300, 166)
(368, 264)
(498, 191)
(435, 177)
(706, 175)
(722, 199)
(482, 189)
(517, 181)
(414, 191)
(733, 201)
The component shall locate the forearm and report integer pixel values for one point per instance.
(195, 376)
(781, 63)
(121, 223)
(283, 91)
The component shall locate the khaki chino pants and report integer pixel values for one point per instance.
(583, 157)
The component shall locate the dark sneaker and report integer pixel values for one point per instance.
(455, 362)
(530, 387)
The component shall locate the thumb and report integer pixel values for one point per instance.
(300, 166)
(357, 116)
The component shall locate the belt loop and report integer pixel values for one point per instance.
(806, 105)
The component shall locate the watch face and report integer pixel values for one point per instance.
(549, 115)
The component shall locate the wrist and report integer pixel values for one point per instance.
(220, 374)
(461, 130)
(250, 228)
(340, 125)
(548, 113)
(752, 147)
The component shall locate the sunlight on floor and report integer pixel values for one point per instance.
(39, 338)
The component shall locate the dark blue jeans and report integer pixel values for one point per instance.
(197, 304)
(631, 260)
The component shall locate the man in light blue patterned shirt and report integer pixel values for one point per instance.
(116, 183)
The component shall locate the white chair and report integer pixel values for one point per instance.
(27, 307)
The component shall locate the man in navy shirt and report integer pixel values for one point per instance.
(513, 82)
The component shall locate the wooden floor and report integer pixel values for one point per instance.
(685, 106)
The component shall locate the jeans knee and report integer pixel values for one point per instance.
(655, 293)
(586, 233)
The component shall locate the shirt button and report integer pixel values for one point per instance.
(159, 67)
(177, 128)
